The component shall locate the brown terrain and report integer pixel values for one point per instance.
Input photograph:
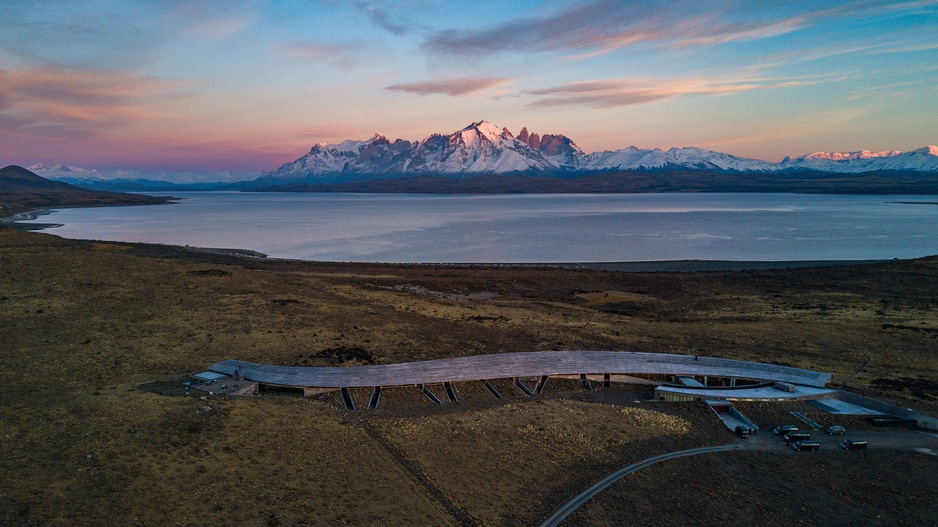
(90, 332)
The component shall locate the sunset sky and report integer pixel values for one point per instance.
(242, 86)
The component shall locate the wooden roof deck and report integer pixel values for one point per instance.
(522, 364)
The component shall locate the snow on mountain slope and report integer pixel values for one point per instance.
(632, 158)
(112, 179)
(478, 148)
(65, 173)
(483, 148)
(920, 160)
(322, 158)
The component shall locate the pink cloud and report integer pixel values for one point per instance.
(627, 92)
(452, 87)
(69, 100)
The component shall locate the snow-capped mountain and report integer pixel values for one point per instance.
(483, 148)
(920, 160)
(130, 181)
(478, 148)
(65, 173)
(632, 158)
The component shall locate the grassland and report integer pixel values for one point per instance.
(84, 325)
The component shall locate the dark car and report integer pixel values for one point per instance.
(784, 429)
(835, 430)
(791, 437)
(853, 444)
(806, 445)
(742, 431)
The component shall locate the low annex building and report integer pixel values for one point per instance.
(722, 378)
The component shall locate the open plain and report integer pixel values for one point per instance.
(90, 332)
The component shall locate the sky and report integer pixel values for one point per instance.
(234, 87)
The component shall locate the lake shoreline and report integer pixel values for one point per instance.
(657, 266)
(507, 248)
(651, 266)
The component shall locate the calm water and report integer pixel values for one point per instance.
(526, 228)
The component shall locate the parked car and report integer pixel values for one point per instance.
(784, 429)
(742, 431)
(791, 437)
(835, 430)
(853, 444)
(806, 445)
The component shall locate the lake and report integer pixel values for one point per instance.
(526, 228)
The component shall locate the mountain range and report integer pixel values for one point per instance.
(483, 149)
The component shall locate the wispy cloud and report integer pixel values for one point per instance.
(909, 48)
(453, 87)
(213, 20)
(380, 16)
(222, 26)
(342, 57)
(67, 101)
(602, 26)
(627, 92)
(896, 89)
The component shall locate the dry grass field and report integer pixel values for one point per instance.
(774, 488)
(84, 326)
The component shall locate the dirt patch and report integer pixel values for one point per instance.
(210, 272)
(599, 298)
(344, 355)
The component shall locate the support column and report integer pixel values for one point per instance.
(585, 382)
(347, 399)
(607, 381)
(450, 392)
(492, 389)
(375, 398)
(430, 395)
(517, 382)
(541, 384)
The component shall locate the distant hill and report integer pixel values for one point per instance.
(17, 179)
(22, 190)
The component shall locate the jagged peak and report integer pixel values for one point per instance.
(930, 150)
(482, 129)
